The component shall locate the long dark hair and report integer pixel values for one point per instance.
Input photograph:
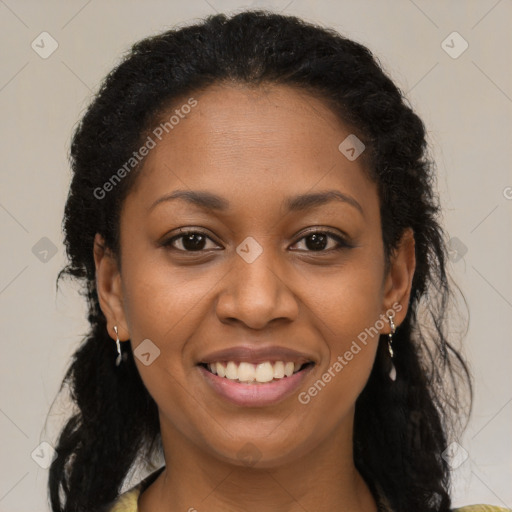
(402, 429)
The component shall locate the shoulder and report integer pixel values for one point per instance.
(481, 508)
(126, 502)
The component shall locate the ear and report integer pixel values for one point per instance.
(398, 281)
(109, 289)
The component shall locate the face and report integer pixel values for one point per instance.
(284, 265)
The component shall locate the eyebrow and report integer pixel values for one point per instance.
(213, 202)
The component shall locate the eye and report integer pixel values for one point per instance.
(318, 241)
(315, 241)
(189, 241)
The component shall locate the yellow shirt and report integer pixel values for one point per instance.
(127, 502)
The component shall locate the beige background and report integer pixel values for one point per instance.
(466, 103)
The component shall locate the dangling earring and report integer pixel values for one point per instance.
(119, 357)
(392, 371)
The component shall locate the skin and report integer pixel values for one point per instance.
(253, 147)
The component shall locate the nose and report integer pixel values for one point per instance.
(256, 293)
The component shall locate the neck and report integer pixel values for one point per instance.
(323, 479)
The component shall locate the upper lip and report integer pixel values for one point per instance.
(257, 355)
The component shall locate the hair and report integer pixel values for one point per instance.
(401, 429)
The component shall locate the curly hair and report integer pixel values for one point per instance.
(401, 429)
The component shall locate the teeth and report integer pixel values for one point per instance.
(288, 369)
(232, 371)
(248, 372)
(278, 370)
(221, 369)
(264, 372)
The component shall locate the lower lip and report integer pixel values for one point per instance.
(257, 394)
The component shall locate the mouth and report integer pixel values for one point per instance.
(243, 372)
(259, 384)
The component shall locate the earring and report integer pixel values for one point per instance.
(392, 371)
(119, 357)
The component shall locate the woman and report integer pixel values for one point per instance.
(252, 213)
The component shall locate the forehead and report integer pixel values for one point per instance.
(250, 143)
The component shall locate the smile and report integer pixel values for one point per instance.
(249, 373)
(254, 385)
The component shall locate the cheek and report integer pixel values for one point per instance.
(161, 300)
(162, 308)
(348, 311)
(350, 323)
(165, 306)
(348, 299)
